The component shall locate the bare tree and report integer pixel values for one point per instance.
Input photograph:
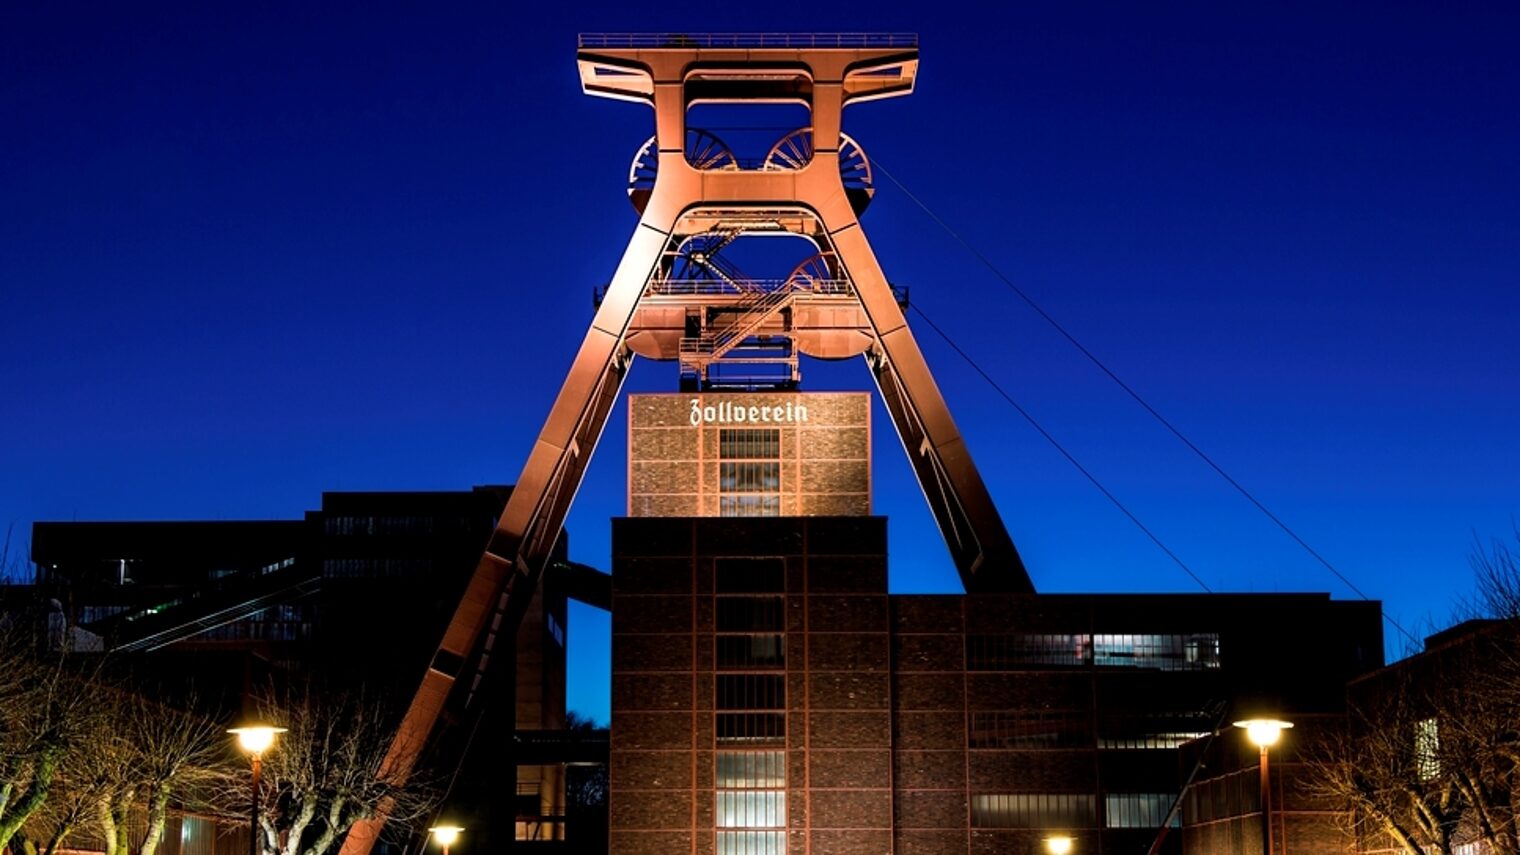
(323, 775)
(1496, 576)
(1386, 789)
(150, 759)
(46, 716)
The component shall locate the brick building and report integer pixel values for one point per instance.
(771, 696)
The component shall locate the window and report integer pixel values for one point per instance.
(749, 696)
(750, 651)
(749, 472)
(1427, 749)
(749, 443)
(749, 614)
(751, 692)
(1032, 810)
(1138, 810)
(1026, 729)
(1019, 651)
(1197, 652)
(751, 770)
(752, 728)
(1000, 652)
(751, 843)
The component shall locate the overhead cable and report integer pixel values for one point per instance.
(1138, 399)
(1070, 458)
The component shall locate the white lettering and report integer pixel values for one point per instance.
(727, 412)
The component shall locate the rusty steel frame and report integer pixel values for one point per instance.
(826, 79)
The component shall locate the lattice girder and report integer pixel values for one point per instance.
(684, 201)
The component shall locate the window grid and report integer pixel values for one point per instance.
(1030, 729)
(1138, 810)
(750, 476)
(1033, 810)
(749, 700)
(749, 472)
(1427, 749)
(749, 443)
(1015, 651)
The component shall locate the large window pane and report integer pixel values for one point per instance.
(751, 843)
(750, 770)
(1033, 810)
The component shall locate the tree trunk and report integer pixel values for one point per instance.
(107, 819)
(58, 837)
(158, 814)
(31, 801)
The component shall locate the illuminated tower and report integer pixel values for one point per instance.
(675, 297)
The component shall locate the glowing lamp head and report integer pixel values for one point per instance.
(256, 738)
(1059, 845)
(1264, 731)
(446, 835)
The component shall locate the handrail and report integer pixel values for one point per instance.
(748, 40)
(689, 287)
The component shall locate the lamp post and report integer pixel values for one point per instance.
(255, 739)
(1058, 844)
(446, 835)
(1265, 732)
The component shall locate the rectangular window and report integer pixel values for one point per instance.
(749, 477)
(1427, 749)
(1138, 810)
(750, 798)
(751, 651)
(749, 443)
(751, 843)
(751, 692)
(1013, 651)
(1030, 729)
(749, 472)
(1196, 652)
(750, 770)
(749, 506)
(751, 809)
(750, 614)
(1033, 810)
(751, 728)
(749, 688)
(1018, 651)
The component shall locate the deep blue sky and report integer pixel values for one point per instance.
(251, 254)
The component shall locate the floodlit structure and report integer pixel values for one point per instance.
(675, 297)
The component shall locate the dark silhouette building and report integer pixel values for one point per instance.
(354, 597)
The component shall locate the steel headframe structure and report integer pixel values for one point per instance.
(674, 298)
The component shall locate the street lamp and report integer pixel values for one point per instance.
(446, 835)
(1265, 732)
(1059, 844)
(255, 739)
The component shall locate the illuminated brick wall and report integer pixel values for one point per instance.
(761, 454)
(769, 697)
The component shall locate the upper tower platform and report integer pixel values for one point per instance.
(747, 66)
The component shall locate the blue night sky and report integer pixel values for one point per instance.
(251, 254)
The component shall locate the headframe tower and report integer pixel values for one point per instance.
(673, 297)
